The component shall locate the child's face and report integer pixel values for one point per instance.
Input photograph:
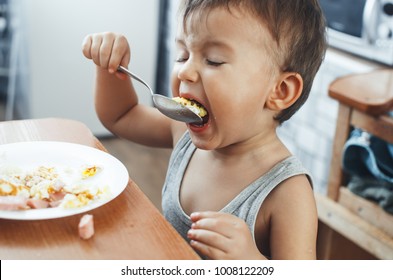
(223, 62)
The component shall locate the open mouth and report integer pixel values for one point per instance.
(195, 107)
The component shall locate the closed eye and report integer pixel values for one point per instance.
(214, 63)
(181, 59)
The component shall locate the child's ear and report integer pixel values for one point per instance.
(288, 90)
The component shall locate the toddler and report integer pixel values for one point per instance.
(233, 190)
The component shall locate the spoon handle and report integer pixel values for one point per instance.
(166, 105)
(135, 77)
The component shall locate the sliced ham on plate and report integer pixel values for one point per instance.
(10, 202)
(37, 203)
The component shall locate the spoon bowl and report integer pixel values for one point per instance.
(166, 105)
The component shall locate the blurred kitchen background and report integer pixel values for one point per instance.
(44, 74)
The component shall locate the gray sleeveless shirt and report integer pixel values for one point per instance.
(245, 205)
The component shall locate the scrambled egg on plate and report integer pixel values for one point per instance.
(57, 187)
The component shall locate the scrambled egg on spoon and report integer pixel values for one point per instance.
(194, 106)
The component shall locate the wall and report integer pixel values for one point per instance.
(61, 80)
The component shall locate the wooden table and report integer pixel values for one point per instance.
(128, 227)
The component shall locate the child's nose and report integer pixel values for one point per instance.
(188, 72)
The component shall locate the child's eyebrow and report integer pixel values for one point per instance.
(213, 43)
(179, 41)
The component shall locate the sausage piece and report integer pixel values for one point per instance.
(86, 226)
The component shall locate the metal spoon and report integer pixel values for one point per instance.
(166, 105)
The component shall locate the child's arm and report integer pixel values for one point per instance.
(116, 101)
(294, 220)
(289, 212)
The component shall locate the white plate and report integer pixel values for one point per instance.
(27, 155)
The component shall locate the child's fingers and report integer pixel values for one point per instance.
(120, 54)
(222, 223)
(207, 237)
(86, 45)
(202, 215)
(208, 241)
(95, 48)
(105, 51)
(206, 250)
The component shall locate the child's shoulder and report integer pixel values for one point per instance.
(293, 197)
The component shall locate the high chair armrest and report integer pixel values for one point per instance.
(371, 93)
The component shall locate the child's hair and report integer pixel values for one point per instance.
(298, 28)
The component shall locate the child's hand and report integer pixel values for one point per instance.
(107, 50)
(222, 236)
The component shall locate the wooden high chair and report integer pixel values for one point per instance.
(351, 227)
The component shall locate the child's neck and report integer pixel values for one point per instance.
(252, 148)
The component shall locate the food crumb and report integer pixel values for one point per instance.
(86, 226)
